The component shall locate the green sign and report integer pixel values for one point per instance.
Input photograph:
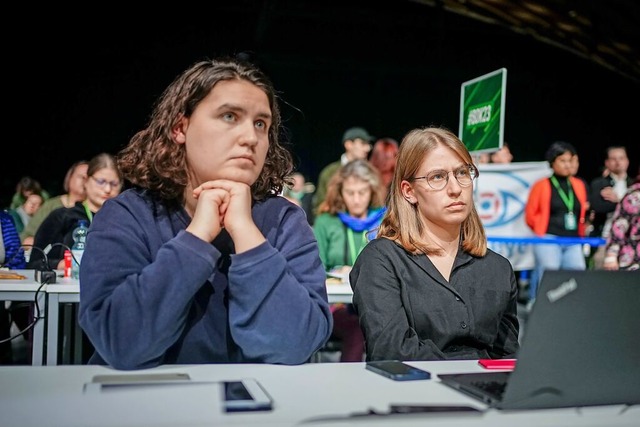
(482, 106)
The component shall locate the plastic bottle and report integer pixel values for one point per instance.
(79, 239)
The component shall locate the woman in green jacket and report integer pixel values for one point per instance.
(347, 219)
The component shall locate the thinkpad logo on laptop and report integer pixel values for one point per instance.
(564, 289)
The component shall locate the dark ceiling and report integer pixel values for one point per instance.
(80, 85)
(606, 32)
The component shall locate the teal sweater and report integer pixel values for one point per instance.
(332, 238)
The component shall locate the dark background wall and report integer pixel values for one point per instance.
(76, 87)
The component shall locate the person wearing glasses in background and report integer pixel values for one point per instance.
(103, 182)
(428, 288)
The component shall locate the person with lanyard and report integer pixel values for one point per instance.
(556, 207)
(348, 218)
(103, 183)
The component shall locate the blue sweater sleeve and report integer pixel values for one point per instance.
(277, 296)
(13, 252)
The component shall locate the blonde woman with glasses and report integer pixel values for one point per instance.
(428, 288)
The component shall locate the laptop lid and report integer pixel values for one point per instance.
(580, 344)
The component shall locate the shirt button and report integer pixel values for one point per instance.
(463, 325)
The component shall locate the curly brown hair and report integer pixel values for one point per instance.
(153, 160)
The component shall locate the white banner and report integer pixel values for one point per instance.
(500, 193)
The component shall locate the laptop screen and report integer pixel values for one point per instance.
(580, 344)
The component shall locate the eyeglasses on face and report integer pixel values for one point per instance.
(103, 182)
(438, 179)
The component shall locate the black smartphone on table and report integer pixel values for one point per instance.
(245, 395)
(397, 370)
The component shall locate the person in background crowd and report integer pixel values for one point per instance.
(556, 207)
(428, 288)
(575, 167)
(622, 251)
(352, 209)
(11, 251)
(383, 157)
(357, 145)
(605, 192)
(24, 188)
(73, 184)
(103, 182)
(503, 155)
(481, 158)
(22, 214)
(301, 192)
(11, 257)
(202, 261)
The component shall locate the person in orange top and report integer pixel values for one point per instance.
(556, 207)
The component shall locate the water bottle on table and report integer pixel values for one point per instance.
(79, 241)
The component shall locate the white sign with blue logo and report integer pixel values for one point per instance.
(500, 193)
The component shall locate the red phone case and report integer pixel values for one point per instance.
(498, 363)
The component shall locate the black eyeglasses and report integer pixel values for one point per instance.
(439, 179)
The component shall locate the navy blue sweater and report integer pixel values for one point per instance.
(152, 293)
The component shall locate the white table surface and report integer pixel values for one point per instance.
(339, 292)
(53, 396)
(336, 292)
(26, 290)
(67, 290)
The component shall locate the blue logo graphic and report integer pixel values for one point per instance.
(504, 202)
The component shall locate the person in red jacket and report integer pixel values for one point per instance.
(556, 208)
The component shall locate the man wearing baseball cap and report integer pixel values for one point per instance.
(357, 144)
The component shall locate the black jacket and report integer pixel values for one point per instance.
(408, 311)
(56, 230)
(600, 207)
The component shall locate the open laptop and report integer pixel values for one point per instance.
(580, 346)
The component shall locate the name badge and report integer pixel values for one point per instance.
(570, 222)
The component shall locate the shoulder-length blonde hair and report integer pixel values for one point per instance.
(360, 169)
(401, 222)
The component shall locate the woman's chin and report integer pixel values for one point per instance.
(241, 176)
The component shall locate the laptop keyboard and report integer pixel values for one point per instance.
(495, 388)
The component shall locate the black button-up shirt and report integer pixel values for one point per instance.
(408, 311)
